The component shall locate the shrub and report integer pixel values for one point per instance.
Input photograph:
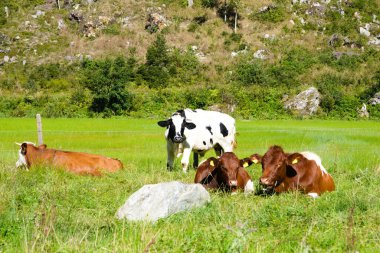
(184, 67)
(209, 3)
(295, 62)
(330, 87)
(250, 72)
(274, 14)
(107, 80)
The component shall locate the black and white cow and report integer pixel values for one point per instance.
(198, 131)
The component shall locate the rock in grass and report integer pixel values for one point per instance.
(155, 201)
(305, 103)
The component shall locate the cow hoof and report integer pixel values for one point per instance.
(313, 195)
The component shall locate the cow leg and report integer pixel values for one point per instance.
(185, 159)
(218, 150)
(196, 160)
(171, 149)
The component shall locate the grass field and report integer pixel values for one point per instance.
(47, 210)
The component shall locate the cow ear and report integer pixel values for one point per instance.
(255, 158)
(163, 123)
(43, 146)
(291, 163)
(294, 158)
(189, 125)
(246, 162)
(290, 171)
(23, 148)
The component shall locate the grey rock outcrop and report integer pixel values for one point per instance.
(305, 103)
(155, 201)
(155, 20)
(375, 100)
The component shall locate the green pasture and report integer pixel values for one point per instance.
(49, 210)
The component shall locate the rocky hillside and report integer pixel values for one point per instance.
(250, 58)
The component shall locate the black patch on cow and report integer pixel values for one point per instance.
(209, 129)
(218, 149)
(204, 143)
(164, 123)
(211, 141)
(190, 125)
(195, 161)
(194, 110)
(223, 129)
(182, 113)
(171, 133)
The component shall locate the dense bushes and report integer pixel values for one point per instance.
(107, 80)
(171, 78)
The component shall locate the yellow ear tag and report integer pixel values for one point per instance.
(295, 161)
(245, 165)
(212, 163)
(255, 161)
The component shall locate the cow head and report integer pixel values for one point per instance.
(176, 125)
(228, 167)
(276, 167)
(22, 153)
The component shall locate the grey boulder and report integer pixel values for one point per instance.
(155, 201)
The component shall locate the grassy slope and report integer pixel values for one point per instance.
(49, 210)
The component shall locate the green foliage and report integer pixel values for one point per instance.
(193, 27)
(155, 72)
(229, 12)
(274, 14)
(185, 67)
(113, 29)
(157, 53)
(209, 3)
(295, 62)
(14, 6)
(250, 72)
(107, 80)
(328, 86)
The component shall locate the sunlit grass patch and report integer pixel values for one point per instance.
(48, 209)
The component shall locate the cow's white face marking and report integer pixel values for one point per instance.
(21, 160)
(177, 121)
(248, 188)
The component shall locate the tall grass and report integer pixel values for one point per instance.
(49, 210)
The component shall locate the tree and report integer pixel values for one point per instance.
(155, 71)
(229, 12)
(107, 80)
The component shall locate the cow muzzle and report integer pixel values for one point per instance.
(178, 139)
(268, 185)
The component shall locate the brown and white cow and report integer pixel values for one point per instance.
(77, 162)
(226, 173)
(293, 171)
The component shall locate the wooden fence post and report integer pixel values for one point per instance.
(39, 129)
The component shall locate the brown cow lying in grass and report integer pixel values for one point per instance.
(80, 163)
(226, 173)
(293, 171)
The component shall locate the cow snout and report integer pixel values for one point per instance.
(233, 183)
(264, 181)
(178, 139)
